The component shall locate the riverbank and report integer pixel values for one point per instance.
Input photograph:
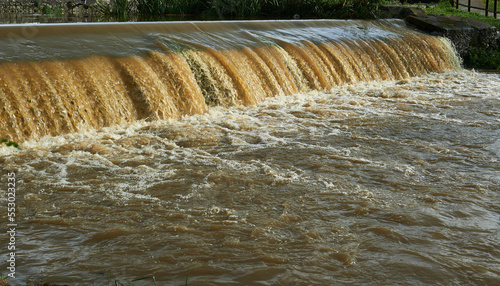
(123, 10)
(481, 54)
(475, 36)
(47, 7)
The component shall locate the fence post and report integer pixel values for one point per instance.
(487, 6)
(456, 3)
(495, 6)
(468, 6)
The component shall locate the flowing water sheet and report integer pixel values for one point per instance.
(266, 153)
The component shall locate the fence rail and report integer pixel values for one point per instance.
(469, 5)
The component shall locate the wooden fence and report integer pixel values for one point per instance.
(487, 11)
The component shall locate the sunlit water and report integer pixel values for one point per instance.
(389, 183)
(52, 83)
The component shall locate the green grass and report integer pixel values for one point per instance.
(478, 57)
(491, 4)
(444, 8)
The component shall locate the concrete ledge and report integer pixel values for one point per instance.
(401, 12)
(465, 33)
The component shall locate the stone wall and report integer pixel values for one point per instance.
(464, 33)
(46, 6)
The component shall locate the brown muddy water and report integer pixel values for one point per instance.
(388, 180)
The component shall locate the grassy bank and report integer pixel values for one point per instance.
(491, 4)
(478, 57)
(444, 8)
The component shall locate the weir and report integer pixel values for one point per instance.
(61, 78)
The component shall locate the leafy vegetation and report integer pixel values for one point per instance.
(51, 9)
(10, 144)
(484, 59)
(235, 8)
(116, 8)
(359, 9)
(491, 4)
(444, 8)
(162, 7)
(288, 8)
(478, 57)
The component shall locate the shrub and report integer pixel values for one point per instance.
(116, 8)
(483, 59)
(245, 8)
(161, 7)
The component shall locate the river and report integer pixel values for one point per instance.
(394, 182)
(380, 182)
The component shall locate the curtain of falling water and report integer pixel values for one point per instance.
(52, 82)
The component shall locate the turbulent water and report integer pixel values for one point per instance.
(266, 153)
(52, 82)
(390, 183)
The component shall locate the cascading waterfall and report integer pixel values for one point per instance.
(352, 166)
(58, 79)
